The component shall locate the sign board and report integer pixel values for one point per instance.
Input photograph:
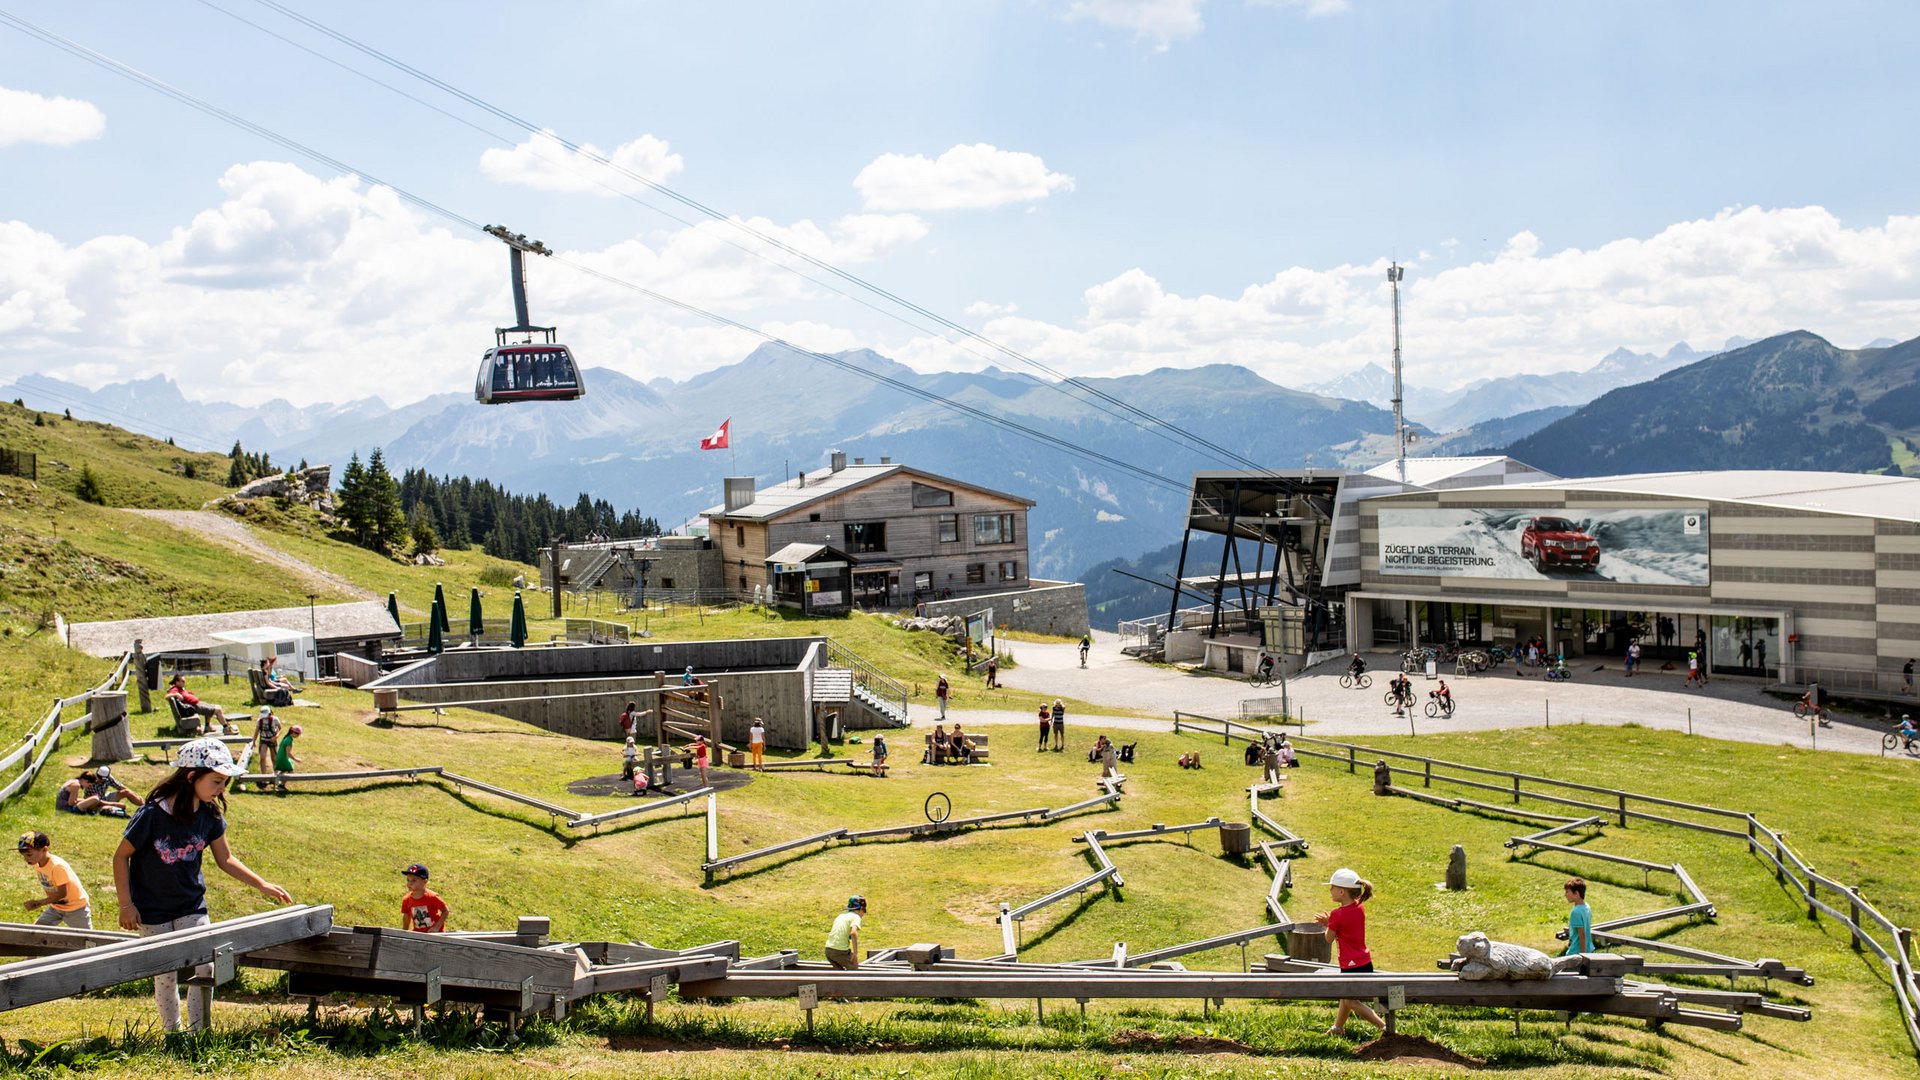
(809, 994)
(825, 597)
(657, 988)
(980, 627)
(1396, 998)
(1630, 546)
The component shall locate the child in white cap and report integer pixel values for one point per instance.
(1347, 925)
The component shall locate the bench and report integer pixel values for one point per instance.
(262, 695)
(185, 720)
(979, 750)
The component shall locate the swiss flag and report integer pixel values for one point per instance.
(717, 440)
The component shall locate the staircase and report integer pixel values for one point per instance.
(596, 569)
(883, 700)
(890, 711)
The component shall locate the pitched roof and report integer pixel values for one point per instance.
(789, 495)
(362, 619)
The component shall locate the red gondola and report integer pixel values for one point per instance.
(525, 369)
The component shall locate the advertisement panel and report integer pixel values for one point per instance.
(1634, 546)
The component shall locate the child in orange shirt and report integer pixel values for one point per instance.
(421, 909)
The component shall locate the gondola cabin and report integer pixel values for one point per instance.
(540, 372)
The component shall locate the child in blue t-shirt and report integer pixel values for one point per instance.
(156, 869)
(1579, 919)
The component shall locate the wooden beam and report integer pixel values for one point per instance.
(596, 820)
(513, 796)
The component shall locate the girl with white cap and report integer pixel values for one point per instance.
(1347, 923)
(156, 870)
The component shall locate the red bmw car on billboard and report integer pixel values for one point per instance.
(1556, 542)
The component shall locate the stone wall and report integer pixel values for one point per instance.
(1049, 607)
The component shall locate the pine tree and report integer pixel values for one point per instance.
(421, 532)
(387, 522)
(88, 489)
(351, 501)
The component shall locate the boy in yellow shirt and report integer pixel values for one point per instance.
(66, 899)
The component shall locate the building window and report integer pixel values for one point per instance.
(813, 517)
(866, 536)
(976, 573)
(739, 536)
(993, 528)
(923, 581)
(1009, 571)
(949, 528)
(924, 495)
(666, 583)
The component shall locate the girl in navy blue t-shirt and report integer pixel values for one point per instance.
(156, 869)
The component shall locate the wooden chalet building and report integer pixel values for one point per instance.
(910, 535)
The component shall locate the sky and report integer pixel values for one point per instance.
(1099, 186)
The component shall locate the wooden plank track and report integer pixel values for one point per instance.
(596, 820)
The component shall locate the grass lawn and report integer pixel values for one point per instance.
(494, 861)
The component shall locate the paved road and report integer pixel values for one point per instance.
(1725, 709)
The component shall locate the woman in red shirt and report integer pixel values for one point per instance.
(1347, 923)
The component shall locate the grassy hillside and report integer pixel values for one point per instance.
(494, 861)
(132, 470)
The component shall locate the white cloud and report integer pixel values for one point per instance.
(1164, 21)
(963, 178)
(542, 162)
(981, 309)
(26, 117)
(1313, 9)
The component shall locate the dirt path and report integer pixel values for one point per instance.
(235, 534)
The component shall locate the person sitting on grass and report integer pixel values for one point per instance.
(177, 690)
(1287, 757)
(94, 791)
(1190, 761)
(421, 909)
(1099, 748)
(284, 759)
(66, 899)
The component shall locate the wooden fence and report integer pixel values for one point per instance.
(33, 751)
(1893, 945)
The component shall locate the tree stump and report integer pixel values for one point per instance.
(1308, 941)
(1457, 869)
(107, 720)
(1382, 779)
(1236, 837)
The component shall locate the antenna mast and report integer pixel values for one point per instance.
(1394, 273)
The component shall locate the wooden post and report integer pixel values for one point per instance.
(1427, 779)
(1779, 862)
(1457, 869)
(1516, 790)
(112, 734)
(713, 714)
(1308, 941)
(1853, 899)
(140, 676)
(1352, 764)
(1623, 809)
(1813, 886)
(226, 671)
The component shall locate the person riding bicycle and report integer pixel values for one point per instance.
(1086, 643)
(1265, 669)
(1907, 732)
(1444, 696)
(1357, 666)
(1816, 700)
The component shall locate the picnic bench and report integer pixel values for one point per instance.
(941, 758)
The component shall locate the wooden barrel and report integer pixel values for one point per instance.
(386, 700)
(736, 759)
(1236, 837)
(1308, 941)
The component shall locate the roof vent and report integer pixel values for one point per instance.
(859, 461)
(886, 460)
(739, 491)
(837, 461)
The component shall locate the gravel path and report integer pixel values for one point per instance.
(1726, 709)
(236, 534)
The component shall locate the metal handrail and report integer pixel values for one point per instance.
(868, 676)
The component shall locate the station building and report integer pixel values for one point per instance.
(1778, 575)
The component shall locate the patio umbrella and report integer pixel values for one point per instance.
(434, 644)
(518, 634)
(440, 609)
(476, 625)
(393, 608)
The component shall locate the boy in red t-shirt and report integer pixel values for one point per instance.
(1347, 925)
(421, 909)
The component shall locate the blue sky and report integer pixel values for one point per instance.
(1215, 180)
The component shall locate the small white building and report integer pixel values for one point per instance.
(293, 648)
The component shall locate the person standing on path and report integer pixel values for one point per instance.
(699, 749)
(1760, 655)
(1633, 658)
(993, 672)
(1694, 674)
(1046, 722)
(843, 941)
(1059, 726)
(1086, 643)
(266, 736)
(757, 743)
(156, 869)
(66, 899)
(1906, 677)
(940, 692)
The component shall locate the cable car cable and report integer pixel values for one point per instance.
(136, 75)
(1151, 420)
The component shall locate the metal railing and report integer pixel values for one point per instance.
(884, 690)
(1894, 946)
(597, 631)
(39, 743)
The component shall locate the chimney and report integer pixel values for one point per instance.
(884, 460)
(802, 477)
(739, 492)
(837, 461)
(859, 461)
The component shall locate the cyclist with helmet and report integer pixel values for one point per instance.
(1357, 666)
(843, 941)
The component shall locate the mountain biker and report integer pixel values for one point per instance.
(1816, 700)
(1086, 643)
(1402, 689)
(1444, 696)
(1265, 670)
(1907, 732)
(1357, 666)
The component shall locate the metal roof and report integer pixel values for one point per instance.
(1895, 498)
(788, 495)
(361, 620)
(803, 552)
(1428, 472)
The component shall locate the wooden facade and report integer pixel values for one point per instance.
(913, 536)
